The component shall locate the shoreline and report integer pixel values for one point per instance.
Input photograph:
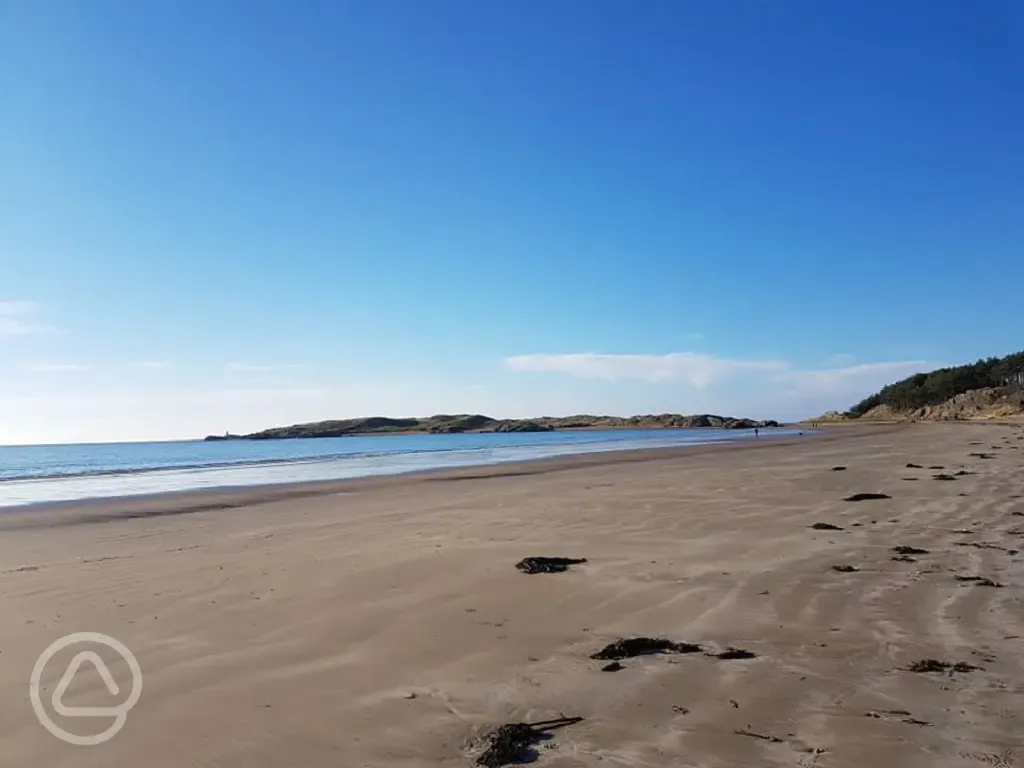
(284, 462)
(398, 433)
(234, 496)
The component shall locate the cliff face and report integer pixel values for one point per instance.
(975, 404)
(449, 424)
(988, 403)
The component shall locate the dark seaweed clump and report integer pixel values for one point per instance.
(902, 549)
(934, 665)
(628, 647)
(867, 496)
(512, 742)
(825, 527)
(986, 545)
(548, 564)
(981, 581)
(508, 744)
(735, 653)
(761, 736)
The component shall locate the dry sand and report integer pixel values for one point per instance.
(383, 623)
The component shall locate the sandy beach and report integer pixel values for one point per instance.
(383, 622)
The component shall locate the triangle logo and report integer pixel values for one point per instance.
(65, 682)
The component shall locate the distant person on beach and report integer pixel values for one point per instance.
(756, 432)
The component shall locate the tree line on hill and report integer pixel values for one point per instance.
(923, 389)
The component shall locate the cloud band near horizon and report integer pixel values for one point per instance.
(703, 370)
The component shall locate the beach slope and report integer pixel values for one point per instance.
(384, 623)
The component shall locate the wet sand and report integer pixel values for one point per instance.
(383, 622)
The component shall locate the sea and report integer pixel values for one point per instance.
(36, 474)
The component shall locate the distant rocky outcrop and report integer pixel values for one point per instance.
(444, 424)
(454, 424)
(338, 428)
(521, 425)
(656, 421)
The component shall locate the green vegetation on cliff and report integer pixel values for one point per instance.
(929, 389)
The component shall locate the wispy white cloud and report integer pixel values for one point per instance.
(703, 370)
(258, 368)
(839, 359)
(151, 364)
(57, 368)
(17, 307)
(697, 369)
(20, 318)
(852, 379)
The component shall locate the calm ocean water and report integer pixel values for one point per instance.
(46, 473)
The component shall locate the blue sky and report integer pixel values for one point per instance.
(229, 215)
